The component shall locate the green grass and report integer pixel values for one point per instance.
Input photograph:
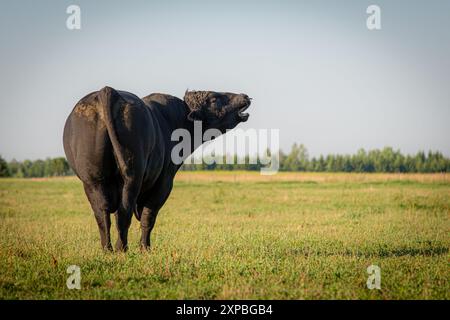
(236, 236)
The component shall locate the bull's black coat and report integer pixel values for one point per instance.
(120, 147)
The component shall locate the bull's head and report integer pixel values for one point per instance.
(219, 110)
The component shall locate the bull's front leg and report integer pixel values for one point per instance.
(155, 200)
(148, 219)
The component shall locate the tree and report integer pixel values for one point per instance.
(331, 163)
(26, 168)
(37, 169)
(297, 160)
(4, 170)
(59, 167)
(15, 168)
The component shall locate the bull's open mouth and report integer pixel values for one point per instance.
(244, 115)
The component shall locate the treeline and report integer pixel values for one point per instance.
(385, 160)
(35, 169)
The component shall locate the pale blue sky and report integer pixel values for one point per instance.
(313, 68)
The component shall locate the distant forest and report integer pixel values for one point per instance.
(35, 169)
(384, 160)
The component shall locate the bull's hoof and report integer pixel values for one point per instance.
(145, 247)
(107, 248)
(120, 247)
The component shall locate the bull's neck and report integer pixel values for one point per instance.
(175, 117)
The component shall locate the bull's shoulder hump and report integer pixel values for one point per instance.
(160, 98)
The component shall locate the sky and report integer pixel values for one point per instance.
(313, 68)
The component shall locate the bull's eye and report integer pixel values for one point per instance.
(213, 100)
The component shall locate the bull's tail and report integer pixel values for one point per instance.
(108, 98)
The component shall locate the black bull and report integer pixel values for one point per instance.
(120, 147)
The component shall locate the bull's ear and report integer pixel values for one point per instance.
(195, 115)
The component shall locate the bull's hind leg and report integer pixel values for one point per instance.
(125, 212)
(104, 226)
(99, 203)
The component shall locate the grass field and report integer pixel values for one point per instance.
(236, 236)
